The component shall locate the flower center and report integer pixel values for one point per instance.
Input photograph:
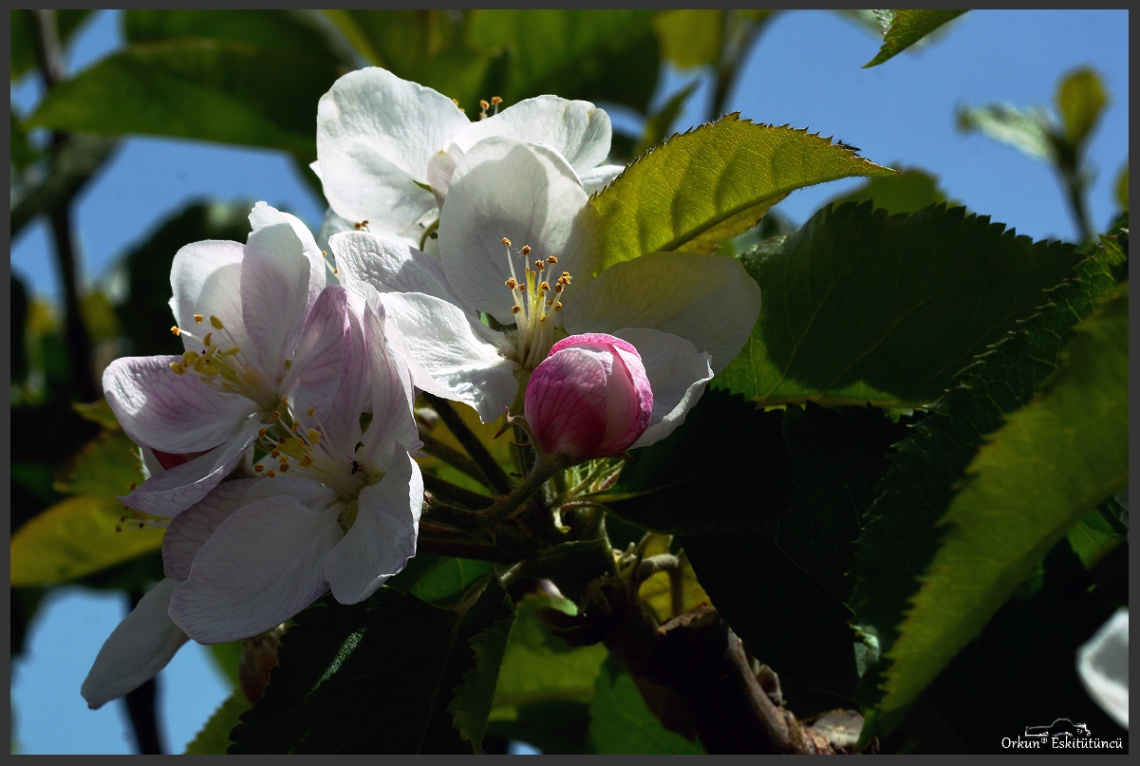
(303, 451)
(535, 301)
(226, 368)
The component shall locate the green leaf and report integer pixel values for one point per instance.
(214, 737)
(557, 726)
(657, 126)
(1027, 130)
(23, 52)
(107, 466)
(439, 580)
(901, 535)
(1095, 536)
(380, 677)
(691, 38)
(861, 307)
(908, 192)
(400, 40)
(573, 53)
(20, 151)
(76, 537)
(1122, 188)
(907, 27)
(1049, 465)
(712, 183)
(227, 659)
(214, 90)
(621, 722)
(1080, 100)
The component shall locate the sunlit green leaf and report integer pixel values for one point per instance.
(75, 537)
(214, 737)
(227, 658)
(107, 466)
(1050, 464)
(379, 677)
(1028, 130)
(908, 192)
(712, 183)
(907, 27)
(621, 722)
(657, 592)
(861, 307)
(215, 90)
(1081, 100)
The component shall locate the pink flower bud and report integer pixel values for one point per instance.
(589, 398)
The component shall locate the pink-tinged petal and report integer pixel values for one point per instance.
(577, 130)
(263, 215)
(375, 135)
(393, 428)
(170, 412)
(141, 645)
(678, 373)
(450, 354)
(596, 179)
(189, 530)
(528, 194)
(274, 294)
(382, 538)
(340, 427)
(171, 492)
(321, 357)
(205, 278)
(261, 566)
(707, 299)
(387, 265)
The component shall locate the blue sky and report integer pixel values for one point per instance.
(805, 71)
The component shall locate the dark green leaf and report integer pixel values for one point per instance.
(21, 152)
(907, 27)
(1122, 188)
(1096, 535)
(400, 40)
(439, 580)
(214, 737)
(691, 38)
(1080, 100)
(861, 307)
(712, 183)
(901, 537)
(1050, 464)
(557, 726)
(908, 192)
(18, 313)
(380, 677)
(214, 90)
(621, 722)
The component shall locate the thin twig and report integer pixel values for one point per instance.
(453, 457)
(499, 481)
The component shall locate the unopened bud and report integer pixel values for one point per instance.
(589, 398)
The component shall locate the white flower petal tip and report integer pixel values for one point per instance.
(1102, 665)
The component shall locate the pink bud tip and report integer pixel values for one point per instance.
(589, 398)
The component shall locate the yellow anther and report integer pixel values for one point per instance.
(295, 427)
(284, 468)
(178, 367)
(496, 100)
(314, 436)
(198, 318)
(526, 249)
(275, 454)
(511, 283)
(261, 432)
(455, 101)
(217, 323)
(259, 468)
(175, 330)
(231, 351)
(271, 473)
(311, 411)
(516, 309)
(208, 340)
(484, 104)
(276, 415)
(191, 357)
(306, 461)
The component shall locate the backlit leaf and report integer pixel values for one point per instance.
(214, 737)
(1081, 100)
(621, 722)
(907, 27)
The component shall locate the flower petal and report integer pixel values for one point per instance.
(375, 136)
(263, 215)
(577, 130)
(205, 278)
(170, 412)
(141, 645)
(678, 373)
(274, 294)
(393, 428)
(189, 530)
(1102, 666)
(596, 179)
(383, 537)
(528, 194)
(261, 566)
(448, 353)
(171, 492)
(707, 299)
(387, 265)
(321, 356)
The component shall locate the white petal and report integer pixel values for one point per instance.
(171, 492)
(577, 130)
(1102, 664)
(383, 537)
(393, 428)
(189, 530)
(528, 194)
(274, 294)
(707, 299)
(320, 359)
(263, 215)
(596, 179)
(171, 412)
(677, 372)
(340, 427)
(141, 645)
(388, 265)
(375, 135)
(205, 278)
(450, 354)
(261, 566)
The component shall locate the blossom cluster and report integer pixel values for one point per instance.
(281, 444)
